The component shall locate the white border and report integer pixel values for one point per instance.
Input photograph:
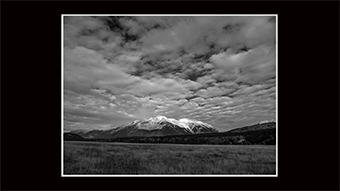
(62, 95)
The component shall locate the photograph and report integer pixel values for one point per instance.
(169, 95)
(165, 95)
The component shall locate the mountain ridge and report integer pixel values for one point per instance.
(260, 134)
(153, 126)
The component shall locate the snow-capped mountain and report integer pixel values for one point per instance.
(80, 131)
(154, 126)
(267, 121)
(189, 125)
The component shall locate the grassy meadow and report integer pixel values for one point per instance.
(99, 158)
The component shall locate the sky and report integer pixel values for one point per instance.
(220, 70)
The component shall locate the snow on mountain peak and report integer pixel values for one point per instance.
(267, 121)
(153, 123)
(184, 122)
(190, 121)
(154, 126)
(158, 118)
(81, 131)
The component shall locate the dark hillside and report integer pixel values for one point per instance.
(262, 137)
(258, 134)
(73, 137)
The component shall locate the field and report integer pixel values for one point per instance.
(97, 158)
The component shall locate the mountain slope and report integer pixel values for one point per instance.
(265, 134)
(73, 137)
(154, 126)
(260, 134)
(259, 126)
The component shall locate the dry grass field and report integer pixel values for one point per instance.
(98, 158)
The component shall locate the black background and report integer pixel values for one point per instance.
(308, 65)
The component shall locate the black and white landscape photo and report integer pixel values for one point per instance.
(169, 95)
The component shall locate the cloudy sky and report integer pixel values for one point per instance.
(216, 69)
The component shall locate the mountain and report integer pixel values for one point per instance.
(73, 137)
(260, 126)
(154, 126)
(267, 121)
(149, 132)
(258, 134)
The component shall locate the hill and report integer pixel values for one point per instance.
(73, 137)
(259, 126)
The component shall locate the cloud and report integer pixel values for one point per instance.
(160, 40)
(88, 32)
(156, 86)
(93, 111)
(246, 90)
(228, 61)
(130, 57)
(197, 34)
(86, 69)
(220, 70)
(260, 66)
(253, 66)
